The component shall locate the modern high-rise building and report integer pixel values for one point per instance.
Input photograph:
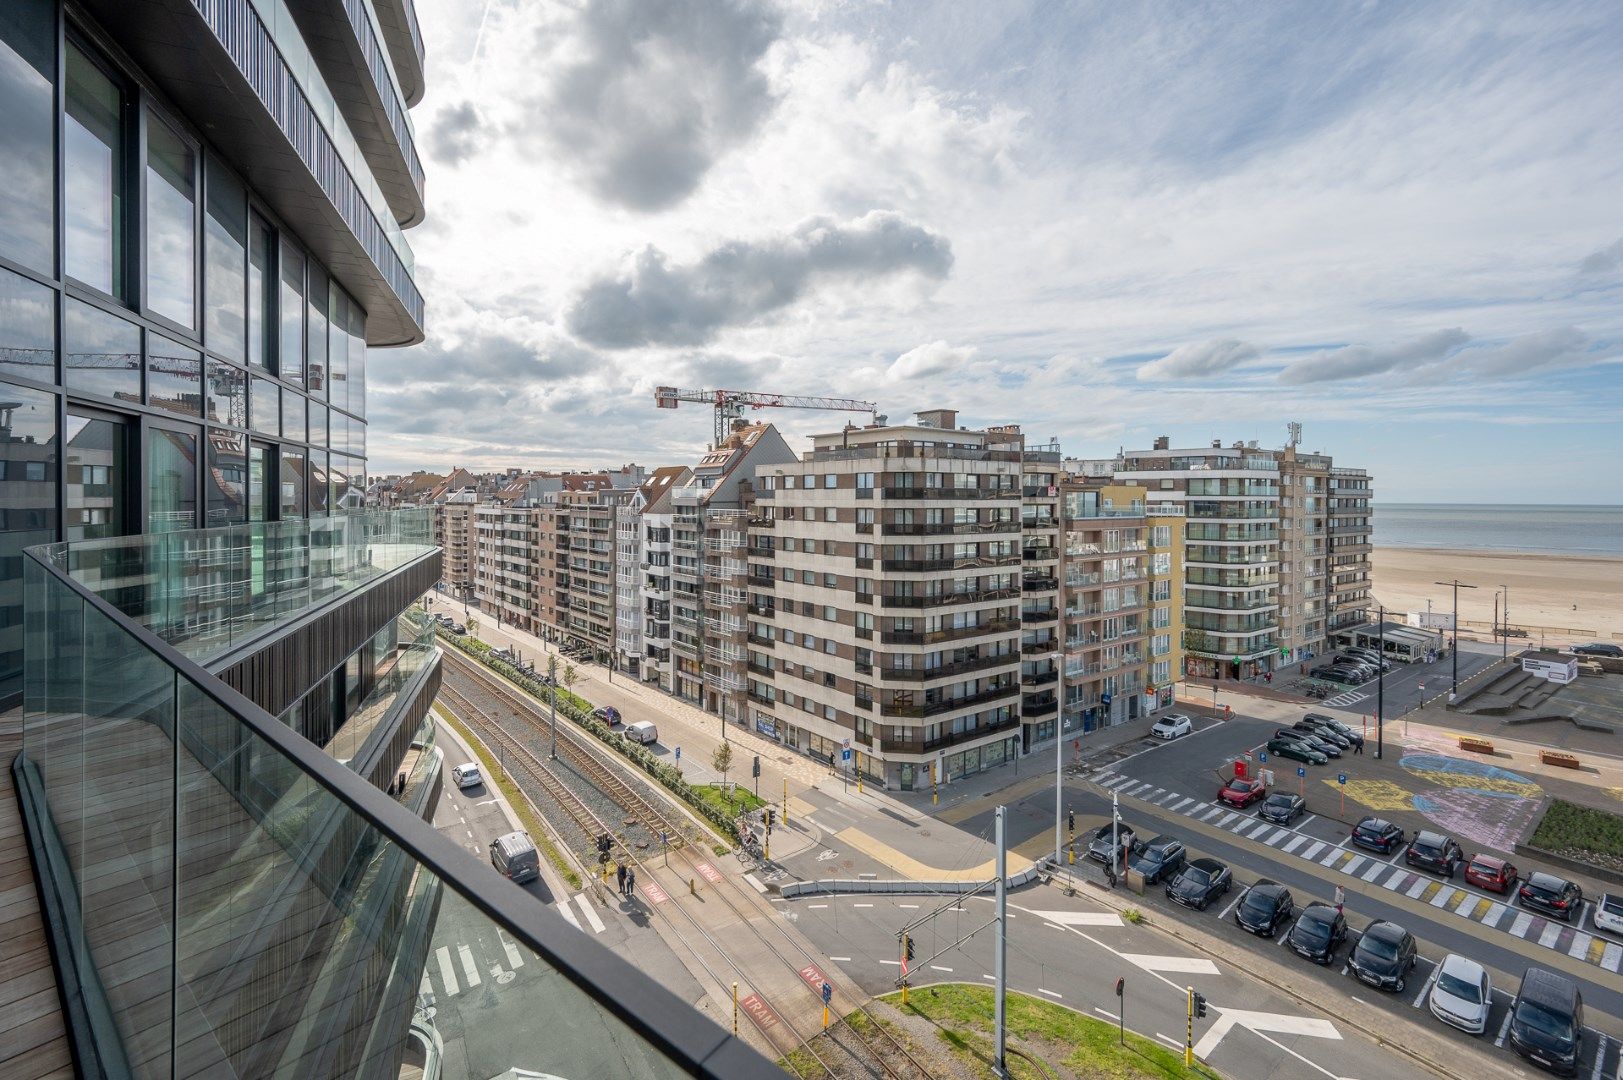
(218, 677)
(1259, 556)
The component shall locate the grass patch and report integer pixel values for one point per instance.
(1585, 833)
(730, 803)
(963, 1017)
(515, 797)
(1132, 915)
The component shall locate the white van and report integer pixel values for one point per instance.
(466, 776)
(643, 731)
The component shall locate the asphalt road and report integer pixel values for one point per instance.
(1071, 952)
(496, 1005)
(1440, 933)
(1402, 692)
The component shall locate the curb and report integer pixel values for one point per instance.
(1342, 1010)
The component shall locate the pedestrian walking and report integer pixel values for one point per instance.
(631, 882)
(620, 878)
(1341, 899)
(1358, 747)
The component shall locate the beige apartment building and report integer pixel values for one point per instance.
(1349, 602)
(454, 533)
(508, 548)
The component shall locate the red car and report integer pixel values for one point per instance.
(1487, 872)
(1242, 793)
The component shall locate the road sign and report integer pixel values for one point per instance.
(1300, 771)
(1341, 778)
(846, 743)
(828, 993)
(845, 754)
(678, 753)
(1262, 756)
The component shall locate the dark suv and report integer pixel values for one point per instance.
(1384, 956)
(1266, 907)
(1551, 895)
(1434, 851)
(1377, 834)
(1159, 859)
(1547, 1021)
(1319, 931)
(1099, 846)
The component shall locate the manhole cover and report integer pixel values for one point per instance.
(924, 832)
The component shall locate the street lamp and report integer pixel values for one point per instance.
(1504, 625)
(1455, 648)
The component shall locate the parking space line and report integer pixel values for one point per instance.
(1310, 817)
(1426, 989)
(1600, 1058)
(1504, 1028)
(1234, 903)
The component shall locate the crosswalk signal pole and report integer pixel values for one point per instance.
(935, 795)
(1189, 1032)
(735, 1010)
(786, 800)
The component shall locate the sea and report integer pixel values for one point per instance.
(1558, 530)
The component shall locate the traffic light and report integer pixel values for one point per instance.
(771, 819)
(907, 947)
(1200, 1006)
(1070, 820)
(756, 768)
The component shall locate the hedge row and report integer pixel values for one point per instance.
(579, 710)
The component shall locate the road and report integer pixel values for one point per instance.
(487, 994)
(1072, 952)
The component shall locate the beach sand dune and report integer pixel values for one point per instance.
(1543, 588)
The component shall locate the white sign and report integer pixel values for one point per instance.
(1557, 671)
(1431, 620)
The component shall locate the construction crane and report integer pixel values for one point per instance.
(730, 404)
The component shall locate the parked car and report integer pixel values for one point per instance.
(1319, 931)
(1599, 648)
(1241, 793)
(1099, 846)
(1547, 1021)
(1323, 734)
(1199, 883)
(466, 776)
(1434, 851)
(1551, 895)
(608, 714)
(1297, 750)
(1282, 807)
(1490, 873)
(1323, 746)
(1377, 834)
(1609, 912)
(1332, 674)
(1171, 726)
(1353, 736)
(1384, 956)
(1264, 908)
(1462, 994)
(457, 628)
(1159, 858)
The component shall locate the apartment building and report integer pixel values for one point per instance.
(1165, 523)
(1349, 538)
(510, 541)
(1258, 548)
(455, 535)
(886, 574)
(642, 573)
(1107, 603)
(1041, 553)
(584, 518)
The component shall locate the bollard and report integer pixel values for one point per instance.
(693, 887)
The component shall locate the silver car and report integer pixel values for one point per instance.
(1462, 994)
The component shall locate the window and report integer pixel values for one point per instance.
(318, 424)
(27, 168)
(225, 253)
(831, 513)
(174, 376)
(315, 366)
(97, 484)
(171, 473)
(28, 322)
(102, 353)
(831, 581)
(293, 481)
(226, 482)
(261, 294)
(27, 498)
(93, 159)
(293, 417)
(291, 337)
(170, 225)
(831, 480)
(864, 481)
(266, 407)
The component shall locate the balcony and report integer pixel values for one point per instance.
(948, 599)
(945, 494)
(1039, 584)
(966, 529)
(957, 633)
(1038, 616)
(962, 667)
(230, 900)
(936, 708)
(1037, 706)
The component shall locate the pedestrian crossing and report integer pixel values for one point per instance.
(1393, 876)
(1345, 699)
(566, 908)
(463, 967)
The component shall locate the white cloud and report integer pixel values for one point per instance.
(1200, 360)
(934, 358)
(1357, 361)
(1606, 259)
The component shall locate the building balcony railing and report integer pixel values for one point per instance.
(948, 599)
(980, 528)
(944, 494)
(947, 705)
(294, 880)
(1038, 616)
(951, 738)
(957, 633)
(943, 671)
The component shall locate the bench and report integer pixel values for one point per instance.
(1556, 757)
(1475, 746)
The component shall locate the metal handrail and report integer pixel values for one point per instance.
(665, 1020)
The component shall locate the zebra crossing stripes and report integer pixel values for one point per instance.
(464, 965)
(1442, 895)
(566, 908)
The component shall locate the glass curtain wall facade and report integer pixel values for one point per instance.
(157, 321)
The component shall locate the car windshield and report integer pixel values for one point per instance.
(1154, 857)
(1259, 903)
(1539, 1018)
(1241, 786)
(1195, 876)
(1279, 801)
(1379, 947)
(1312, 929)
(1455, 986)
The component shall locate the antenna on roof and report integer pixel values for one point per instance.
(1295, 429)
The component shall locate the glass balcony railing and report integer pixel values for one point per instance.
(206, 591)
(231, 901)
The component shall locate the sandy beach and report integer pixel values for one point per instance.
(1543, 589)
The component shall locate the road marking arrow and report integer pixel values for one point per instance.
(1259, 1022)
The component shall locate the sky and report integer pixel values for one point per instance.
(1398, 224)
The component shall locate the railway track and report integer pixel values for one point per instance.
(872, 1049)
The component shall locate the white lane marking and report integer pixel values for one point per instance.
(892, 963)
(1353, 864)
(591, 916)
(1612, 958)
(1552, 931)
(1461, 898)
(1313, 852)
(755, 883)
(1426, 989)
(1420, 886)
(1211, 812)
(815, 907)
(1310, 817)
(1182, 804)
(1194, 964)
(1174, 1043)
(908, 907)
(1294, 844)
(1229, 816)
(1233, 903)
(470, 834)
(1496, 911)
(568, 912)
(1106, 1013)
(1260, 1022)
(841, 959)
(1080, 918)
(447, 972)
(861, 905)
(514, 959)
(1444, 895)
(1504, 1029)
(1600, 1057)
(1335, 853)
(1395, 880)
(1522, 922)
(1277, 835)
(1374, 871)
(990, 978)
(938, 967)
(468, 968)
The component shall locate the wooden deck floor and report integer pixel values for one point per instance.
(33, 1040)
